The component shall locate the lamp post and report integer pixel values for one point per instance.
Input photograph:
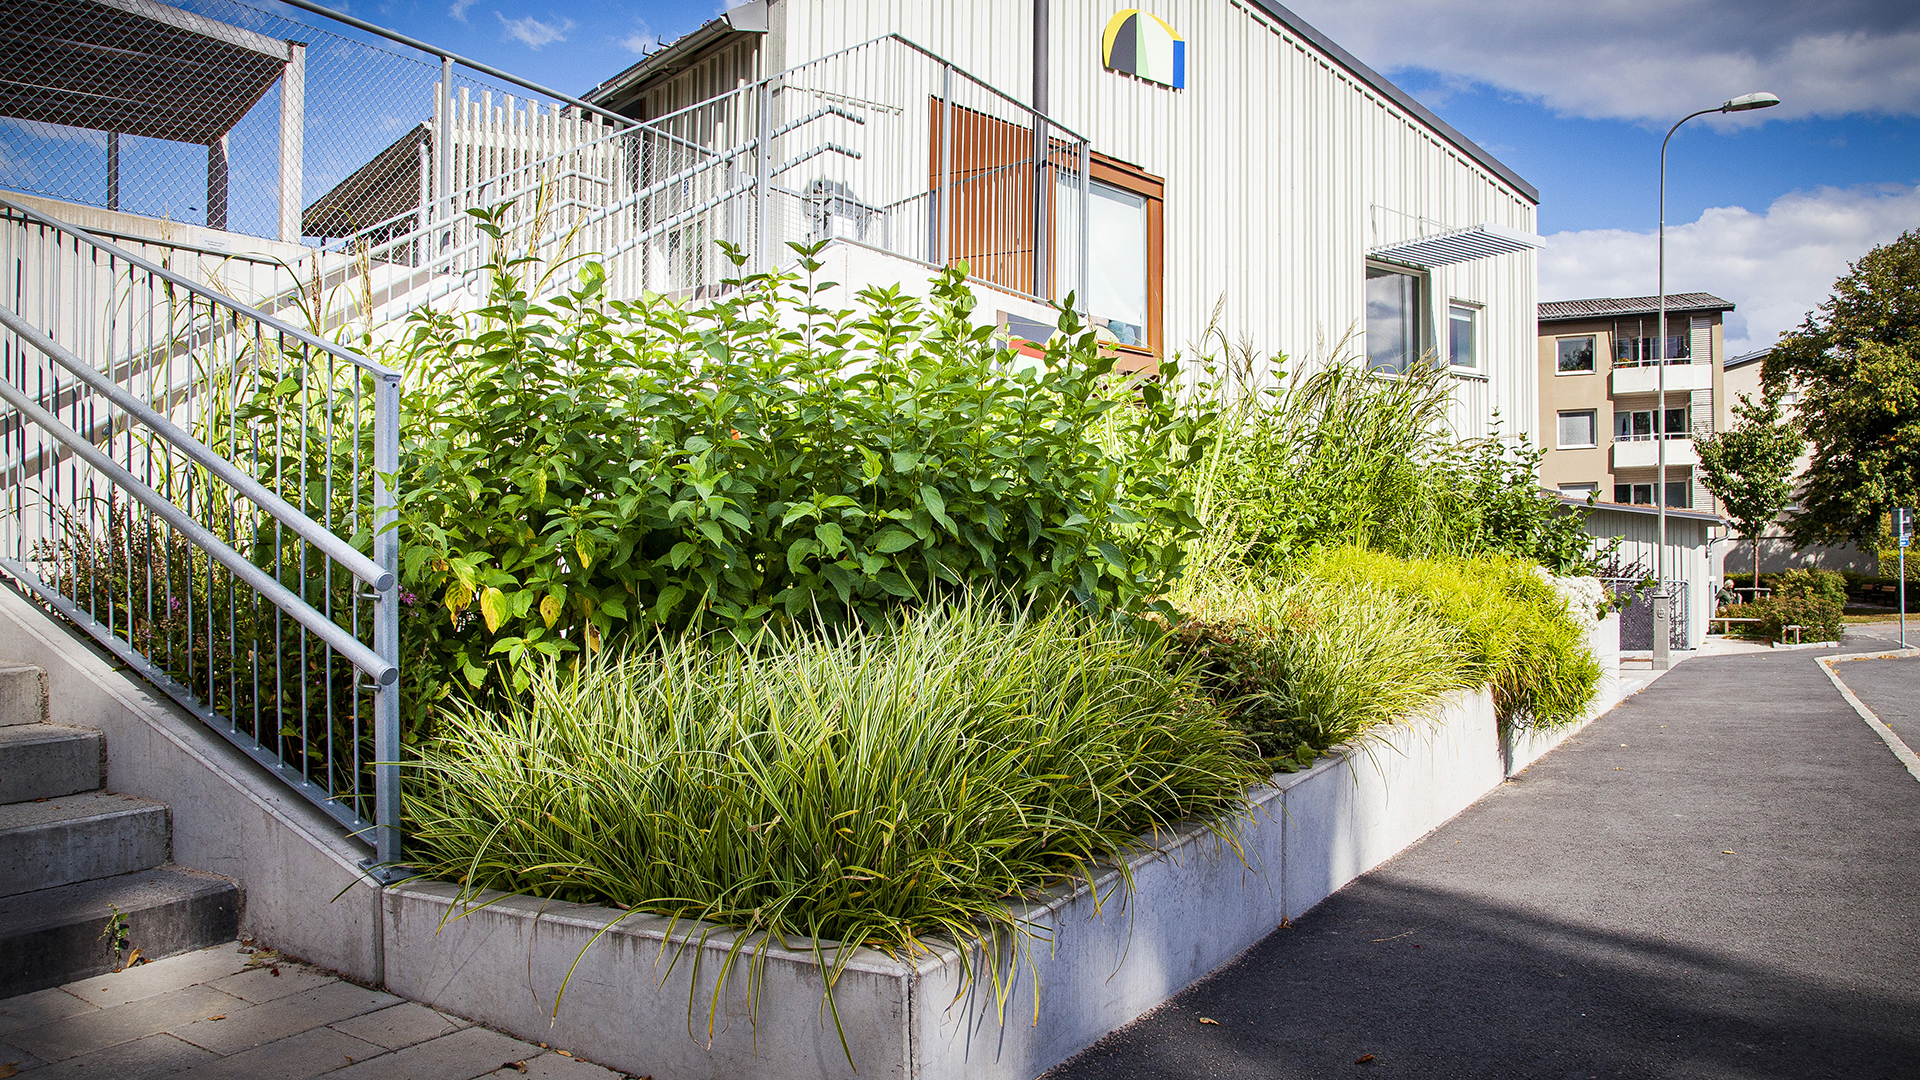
(1662, 602)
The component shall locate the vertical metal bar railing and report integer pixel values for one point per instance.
(209, 492)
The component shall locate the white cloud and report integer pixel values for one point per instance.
(459, 9)
(1649, 59)
(641, 40)
(1777, 266)
(533, 33)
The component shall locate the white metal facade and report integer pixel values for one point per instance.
(1282, 167)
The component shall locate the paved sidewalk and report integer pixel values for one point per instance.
(228, 1013)
(1718, 879)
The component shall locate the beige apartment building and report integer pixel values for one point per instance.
(1600, 422)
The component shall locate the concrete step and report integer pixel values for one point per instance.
(23, 694)
(77, 838)
(45, 761)
(55, 936)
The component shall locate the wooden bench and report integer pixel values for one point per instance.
(1730, 619)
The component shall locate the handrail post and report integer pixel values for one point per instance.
(386, 617)
(443, 152)
(942, 227)
(762, 232)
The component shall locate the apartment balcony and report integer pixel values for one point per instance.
(1642, 452)
(1644, 378)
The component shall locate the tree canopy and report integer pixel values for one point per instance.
(1749, 467)
(1856, 363)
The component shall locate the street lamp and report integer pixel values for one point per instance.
(1662, 602)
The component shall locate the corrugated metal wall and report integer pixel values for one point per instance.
(1281, 169)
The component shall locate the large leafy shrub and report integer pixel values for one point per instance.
(581, 469)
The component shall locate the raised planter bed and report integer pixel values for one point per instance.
(1196, 904)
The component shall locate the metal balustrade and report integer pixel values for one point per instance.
(207, 490)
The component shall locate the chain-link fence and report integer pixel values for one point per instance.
(216, 113)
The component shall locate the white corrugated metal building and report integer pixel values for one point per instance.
(1264, 175)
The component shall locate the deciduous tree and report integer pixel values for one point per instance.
(1749, 467)
(1856, 362)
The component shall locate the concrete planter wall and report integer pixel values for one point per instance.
(1196, 904)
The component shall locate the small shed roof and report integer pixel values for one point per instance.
(137, 67)
(1607, 306)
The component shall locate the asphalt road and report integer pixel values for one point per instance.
(1891, 688)
(1718, 879)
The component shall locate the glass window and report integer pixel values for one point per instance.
(1462, 343)
(1580, 428)
(1576, 354)
(1679, 494)
(1116, 291)
(1393, 314)
(1639, 424)
(1578, 491)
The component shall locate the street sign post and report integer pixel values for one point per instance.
(1903, 535)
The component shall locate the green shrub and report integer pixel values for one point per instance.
(877, 787)
(588, 468)
(1819, 618)
(1338, 455)
(1826, 584)
(1304, 665)
(1522, 641)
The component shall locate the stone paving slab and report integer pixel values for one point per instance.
(224, 1014)
(401, 1026)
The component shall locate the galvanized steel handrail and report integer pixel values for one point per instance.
(261, 633)
(305, 527)
(182, 282)
(382, 671)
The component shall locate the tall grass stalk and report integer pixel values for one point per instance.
(891, 789)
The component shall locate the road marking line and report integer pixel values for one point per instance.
(1900, 749)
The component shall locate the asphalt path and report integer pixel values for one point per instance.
(1718, 879)
(1891, 688)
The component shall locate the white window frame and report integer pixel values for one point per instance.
(1593, 420)
(1420, 325)
(1595, 358)
(1472, 312)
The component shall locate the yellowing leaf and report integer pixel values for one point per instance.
(583, 544)
(494, 608)
(550, 609)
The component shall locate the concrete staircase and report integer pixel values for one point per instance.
(73, 854)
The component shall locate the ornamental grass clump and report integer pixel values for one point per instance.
(1304, 664)
(888, 787)
(1521, 639)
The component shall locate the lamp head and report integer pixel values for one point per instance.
(1744, 102)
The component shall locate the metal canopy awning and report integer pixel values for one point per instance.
(1457, 246)
(135, 67)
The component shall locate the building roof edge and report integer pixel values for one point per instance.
(1399, 97)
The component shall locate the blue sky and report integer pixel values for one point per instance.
(1764, 209)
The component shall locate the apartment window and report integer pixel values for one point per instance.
(1578, 491)
(1679, 494)
(1638, 425)
(1124, 251)
(1579, 428)
(1576, 355)
(1631, 351)
(1393, 320)
(1463, 337)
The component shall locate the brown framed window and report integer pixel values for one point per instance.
(1126, 257)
